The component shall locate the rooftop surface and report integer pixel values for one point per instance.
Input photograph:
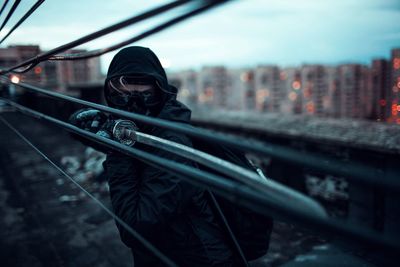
(355, 133)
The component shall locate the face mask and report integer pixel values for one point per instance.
(145, 102)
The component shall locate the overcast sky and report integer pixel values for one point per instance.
(242, 33)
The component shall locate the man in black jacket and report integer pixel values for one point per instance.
(172, 214)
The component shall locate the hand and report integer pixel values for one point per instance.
(89, 119)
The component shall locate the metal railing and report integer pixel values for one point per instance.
(234, 191)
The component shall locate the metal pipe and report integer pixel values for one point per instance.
(358, 172)
(237, 193)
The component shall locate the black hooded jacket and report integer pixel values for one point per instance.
(172, 214)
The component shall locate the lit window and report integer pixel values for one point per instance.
(396, 63)
(283, 75)
(37, 70)
(262, 94)
(296, 85)
(292, 96)
(310, 107)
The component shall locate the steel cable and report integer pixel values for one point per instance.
(135, 234)
(87, 38)
(3, 6)
(235, 192)
(31, 62)
(24, 17)
(10, 13)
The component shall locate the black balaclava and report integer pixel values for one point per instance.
(142, 63)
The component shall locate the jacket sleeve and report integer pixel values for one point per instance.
(146, 197)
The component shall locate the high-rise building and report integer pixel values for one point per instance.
(269, 88)
(315, 91)
(394, 88)
(292, 84)
(11, 56)
(214, 87)
(335, 94)
(344, 91)
(56, 75)
(242, 93)
(74, 72)
(378, 83)
(355, 97)
(331, 101)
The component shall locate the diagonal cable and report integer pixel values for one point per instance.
(52, 55)
(27, 14)
(10, 13)
(135, 234)
(3, 6)
(92, 36)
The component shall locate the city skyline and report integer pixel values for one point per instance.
(350, 90)
(339, 91)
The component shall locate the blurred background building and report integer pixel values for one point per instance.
(394, 87)
(343, 91)
(57, 75)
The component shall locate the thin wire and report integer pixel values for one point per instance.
(3, 6)
(228, 229)
(10, 13)
(27, 14)
(99, 52)
(235, 192)
(358, 172)
(135, 234)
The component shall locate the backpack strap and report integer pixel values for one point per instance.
(222, 217)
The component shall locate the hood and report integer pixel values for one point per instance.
(143, 61)
(174, 110)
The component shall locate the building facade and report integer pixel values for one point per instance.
(343, 91)
(394, 88)
(57, 75)
(378, 83)
(269, 89)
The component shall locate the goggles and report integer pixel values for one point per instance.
(126, 84)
